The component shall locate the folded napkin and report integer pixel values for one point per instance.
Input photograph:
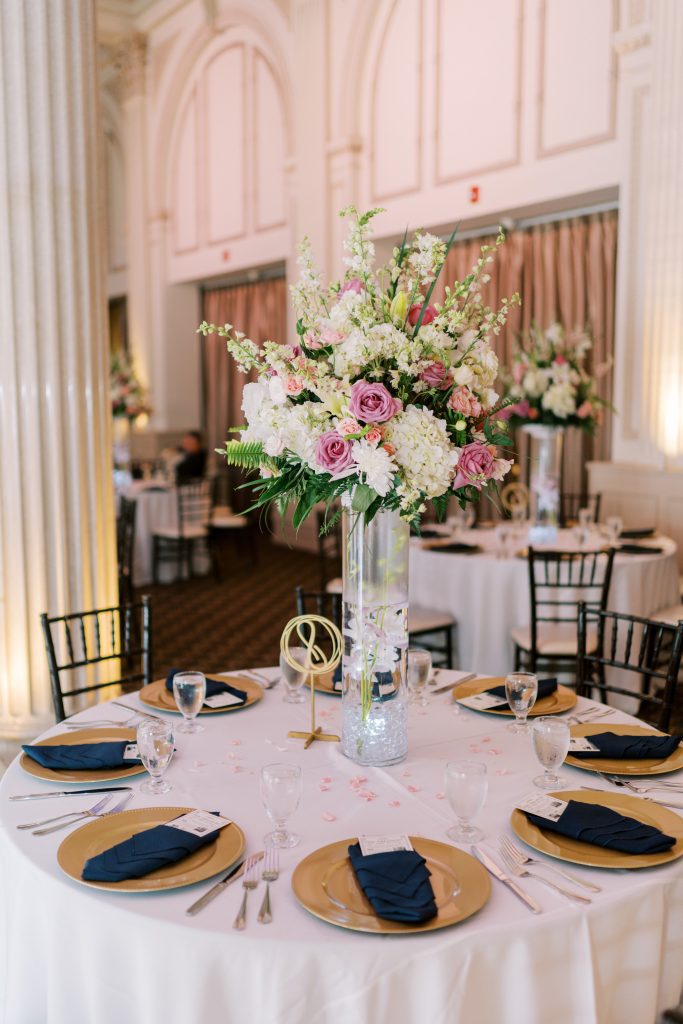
(396, 884)
(213, 687)
(648, 531)
(609, 744)
(383, 679)
(601, 826)
(456, 548)
(429, 532)
(143, 853)
(639, 549)
(545, 688)
(82, 756)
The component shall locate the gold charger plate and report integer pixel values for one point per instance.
(325, 884)
(73, 739)
(100, 835)
(620, 766)
(577, 852)
(323, 684)
(561, 700)
(157, 696)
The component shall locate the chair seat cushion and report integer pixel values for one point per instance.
(334, 586)
(228, 522)
(424, 620)
(671, 614)
(554, 638)
(191, 531)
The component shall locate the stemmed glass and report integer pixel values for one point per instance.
(281, 788)
(155, 747)
(466, 789)
(418, 673)
(551, 743)
(294, 680)
(614, 526)
(521, 689)
(189, 690)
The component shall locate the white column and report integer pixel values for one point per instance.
(57, 537)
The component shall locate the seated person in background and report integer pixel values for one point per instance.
(193, 458)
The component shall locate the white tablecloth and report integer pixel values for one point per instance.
(488, 596)
(156, 507)
(74, 954)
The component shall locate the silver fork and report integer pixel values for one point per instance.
(100, 805)
(100, 722)
(590, 716)
(514, 852)
(270, 873)
(673, 787)
(521, 872)
(86, 814)
(250, 881)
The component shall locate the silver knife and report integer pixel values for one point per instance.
(651, 799)
(494, 870)
(233, 874)
(129, 707)
(69, 792)
(452, 686)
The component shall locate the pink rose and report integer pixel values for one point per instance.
(560, 360)
(372, 403)
(435, 375)
(389, 448)
(333, 453)
(294, 386)
(374, 435)
(353, 284)
(475, 466)
(522, 408)
(348, 426)
(414, 314)
(462, 400)
(330, 337)
(312, 342)
(585, 410)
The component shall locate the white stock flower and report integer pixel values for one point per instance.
(376, 465)
(560, 400)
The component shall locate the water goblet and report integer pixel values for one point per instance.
(281, 788)
(551, 742)
(155, 747)
(418, 673)
(521, 689)
(614, 526)
(189, 690)
(466, 789)
(294, 679)
(502, 537)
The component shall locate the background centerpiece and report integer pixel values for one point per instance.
(128, 402)
(384, 403)
(550, 389)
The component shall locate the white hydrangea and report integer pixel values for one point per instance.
(560, 399)
(424, 453)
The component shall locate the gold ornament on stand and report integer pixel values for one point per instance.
(515, 496)
(317, 664)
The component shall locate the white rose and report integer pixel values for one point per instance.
(559, 399)
(463, 375)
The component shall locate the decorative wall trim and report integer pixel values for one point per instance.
(246, 53)
(258, 55)
(177, 248)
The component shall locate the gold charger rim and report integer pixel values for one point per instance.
(621, 766)
(150, 695)
(323, 684)
(564, 698)
(74, 850)
(570, 850)
(73, 738)
(325, 858)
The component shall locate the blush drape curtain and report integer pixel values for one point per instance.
(260, 310)
(564, 271)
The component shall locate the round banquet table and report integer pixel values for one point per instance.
(76, 954)
(488, 596)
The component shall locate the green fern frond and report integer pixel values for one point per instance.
(247, 455)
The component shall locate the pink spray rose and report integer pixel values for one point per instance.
(372, 403)
(435, 375)
(414, 314)
(475, 466)
(353, 284)
(374, 435)
(463, 401)
(333, 453)
(585, 410)
(560, 360)
(312, 342)
(522, 408)
(329, 336)
(294, 386)
(348, 426)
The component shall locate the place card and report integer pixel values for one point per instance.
(198, 823)
(582, 743)
(222, 700)
(337, 685)
(386, 688)
(383, 844)
(543, 805)
(483, 701)
(130, 752)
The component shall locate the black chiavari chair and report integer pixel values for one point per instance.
(570, 504)
(629, 643)
(125, 544)
(177, 544)
(77, 642)
(558, 581)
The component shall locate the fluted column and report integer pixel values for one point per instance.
(57, 538)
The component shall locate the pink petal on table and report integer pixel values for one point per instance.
(474, 748)
(494, 750)
(406, 775)
(322, 787)
(236, 743)
(413, 789)
(237, 768)
(357, 781)
(395, 803)
(329, 817)
(486, 739)
(440, 796)
(501, 771)
(327, 778)
(367, 794)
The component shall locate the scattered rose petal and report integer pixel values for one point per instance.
(474, 748)
(395, 803)
(237, 768)
(236, 743)
(327, 779)
(486, 739)
(501, 771)
(322, 787)
(357, 781)
(329, 817)
(406, 775)
(413, 789)
(494, 750)
(440, 796)
(367, 794)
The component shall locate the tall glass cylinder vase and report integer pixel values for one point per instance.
(375, 628)
(122, 442)
(545, 460)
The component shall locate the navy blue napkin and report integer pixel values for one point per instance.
(545, 688)
(143, 853)
(382, 679)
(213, 687)
(648, 531)
(81, 756)
(396, 884)
(457, 548)
(609, 744)
(601, 826)
(639, 549)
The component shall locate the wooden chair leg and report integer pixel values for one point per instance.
(449, 647)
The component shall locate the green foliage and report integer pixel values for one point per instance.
(246, 455)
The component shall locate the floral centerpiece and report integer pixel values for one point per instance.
(128, 396)
(548, 383)
(386, 401)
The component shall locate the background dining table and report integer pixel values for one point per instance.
(487, 592)
(73, 953)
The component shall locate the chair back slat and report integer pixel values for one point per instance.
(125, 548)
(194, 504)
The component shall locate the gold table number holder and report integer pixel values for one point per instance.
(317, 664)
(514, 496)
